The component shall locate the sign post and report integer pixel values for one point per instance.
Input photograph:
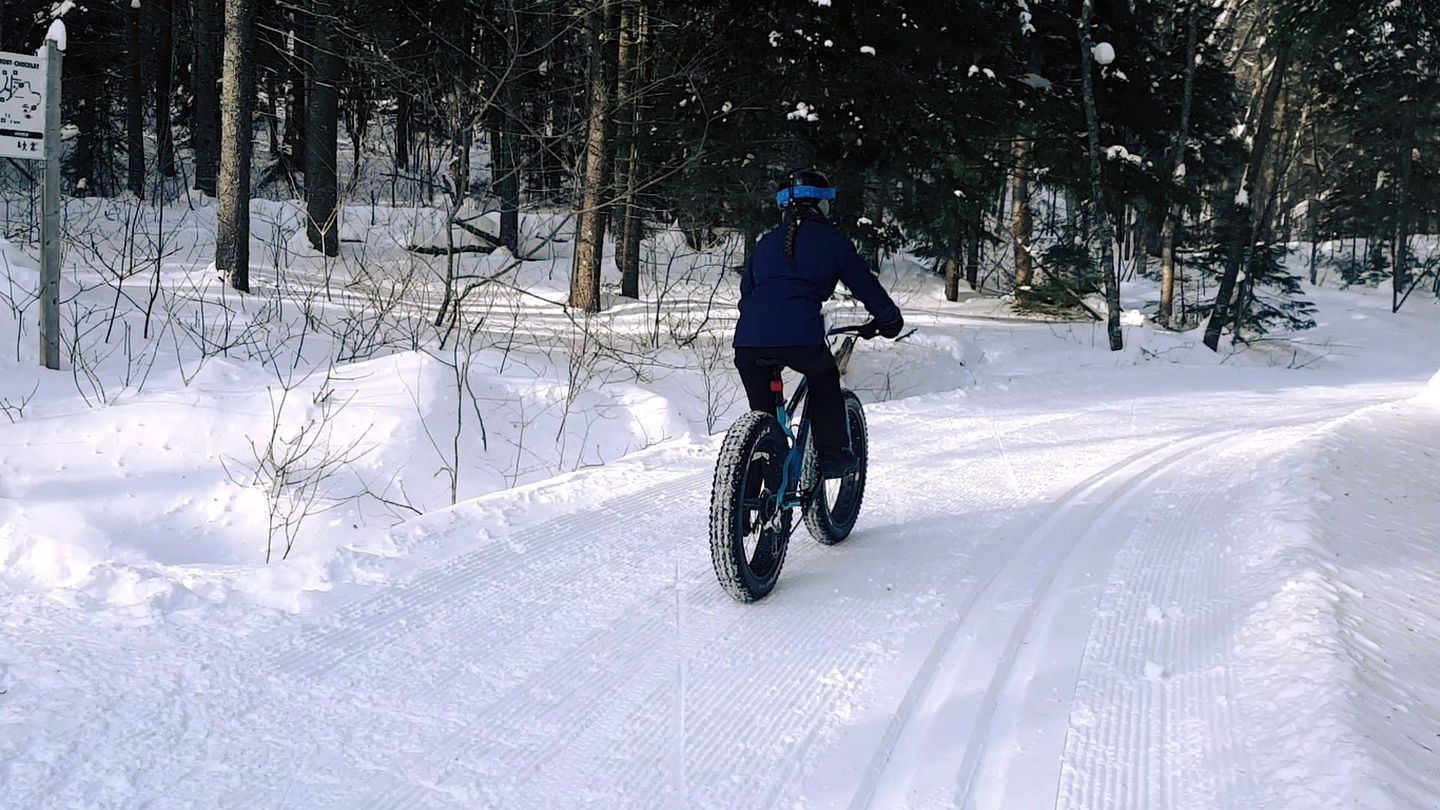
(50, 217)
(30, 130)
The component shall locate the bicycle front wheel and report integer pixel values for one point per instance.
(748, 531)
(835, 503)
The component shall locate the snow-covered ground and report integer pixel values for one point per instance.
(1150, 579)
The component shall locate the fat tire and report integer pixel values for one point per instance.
(830, 524)
(754, 445)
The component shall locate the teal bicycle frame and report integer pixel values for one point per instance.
(789, 495)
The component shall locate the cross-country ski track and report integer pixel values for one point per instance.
(1038, 609)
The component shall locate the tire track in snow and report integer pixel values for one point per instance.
(735, 636)
(771, 696)
(528, 724)
(468, 583)
(475, 723)
(1119, 715)
(1153, 726)
(949, 696)
(801, 709)
(542, 605)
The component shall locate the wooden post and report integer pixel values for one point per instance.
(50, 215)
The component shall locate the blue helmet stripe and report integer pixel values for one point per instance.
(785, 195)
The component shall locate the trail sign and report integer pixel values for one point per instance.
(22, 105)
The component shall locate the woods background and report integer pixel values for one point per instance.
(981, 136)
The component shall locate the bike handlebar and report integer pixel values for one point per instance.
(865, 331)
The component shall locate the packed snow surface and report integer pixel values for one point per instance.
(1159, 578)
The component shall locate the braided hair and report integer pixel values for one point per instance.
(802, 194)
(794, 215)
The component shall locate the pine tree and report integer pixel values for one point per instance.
(594, 210)
(206, 17)
(135, 101)
(164, 85)
(322, 224)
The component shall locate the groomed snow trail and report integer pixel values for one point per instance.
(1033, 612)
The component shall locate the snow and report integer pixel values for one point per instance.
(803, 112)
(56, 32)
(1036, 81)
(1118, 152)
(1153, 578)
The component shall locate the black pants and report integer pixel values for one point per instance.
(823, 404)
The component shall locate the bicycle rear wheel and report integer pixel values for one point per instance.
(748, 533)
(835, 503)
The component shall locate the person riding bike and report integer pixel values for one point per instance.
(791, 272)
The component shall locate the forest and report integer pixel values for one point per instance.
(1047, 150)
(383, 443)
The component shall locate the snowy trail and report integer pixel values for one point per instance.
(1033, 612)
(1033, 603)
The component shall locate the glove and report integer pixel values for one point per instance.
(867, 330)
(891, 328)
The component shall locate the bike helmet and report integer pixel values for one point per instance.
(805, 187)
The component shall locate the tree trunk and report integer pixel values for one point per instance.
(135, 105)
(873, 210)
(1312, 210)
(506, 156)
(634, 212)
(206, 127)
(1167, 266)
(1021, 219)
(237, 104)
(1243, 219)
(1400, 249)
(547, 144)
(164, 82)
(322, 224)
(1097, 202)
(972, 253)
(1173, 212)
(590, 231)
(627, 249)
(357, 118)
(404, 102)
(952, 278)
(301, 55)
(274, 42)
(88, 119)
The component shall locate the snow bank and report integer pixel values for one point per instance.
(1343, 573)
(1431, 394)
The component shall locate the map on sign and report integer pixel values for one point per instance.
(22, 106)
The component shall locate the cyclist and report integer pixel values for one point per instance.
(791, 272)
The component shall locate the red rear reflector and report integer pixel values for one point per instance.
(777, 386)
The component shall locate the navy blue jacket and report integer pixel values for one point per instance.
(780, 296)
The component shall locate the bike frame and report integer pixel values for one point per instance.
(789, 496)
